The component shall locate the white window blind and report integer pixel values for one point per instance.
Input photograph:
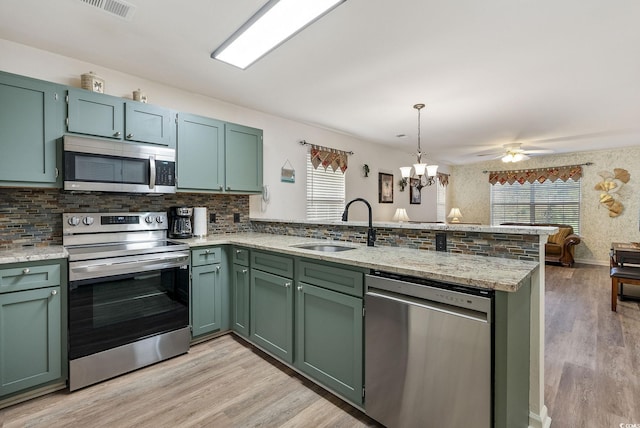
(441, 203)
(549, 202)
(325, 193)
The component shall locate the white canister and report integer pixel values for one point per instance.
(200, 221)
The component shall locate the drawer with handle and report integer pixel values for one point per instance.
(26, 276)
(206, 256)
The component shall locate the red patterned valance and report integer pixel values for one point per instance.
(336, 159)
(540, 175)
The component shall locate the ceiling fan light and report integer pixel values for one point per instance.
(507, 158)
(432, 170)
(518, 157)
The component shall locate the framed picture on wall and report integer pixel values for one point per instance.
(414, 193)
(385, 188)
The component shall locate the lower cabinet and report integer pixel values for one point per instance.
(272, 313)
(32, 326)
(209, 292)
(329, 339)
(206, 298)
(240, 299)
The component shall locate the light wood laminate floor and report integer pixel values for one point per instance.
(592, 355)
(592, 364)
(220, 383)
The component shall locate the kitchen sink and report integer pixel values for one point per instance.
(327, 248)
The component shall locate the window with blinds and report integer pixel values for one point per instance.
(325, 193)
(549, 202)
(441, 203)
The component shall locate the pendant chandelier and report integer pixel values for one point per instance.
(425, 173)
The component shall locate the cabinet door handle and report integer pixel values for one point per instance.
(217, 269)
(26, 271)
(54, 292)
(238, 251)
(287, 284)
(129, 136)
(228, 188)
(207, 251)
(244, 271)
(117, 134)
(299, 287)
(220, 187)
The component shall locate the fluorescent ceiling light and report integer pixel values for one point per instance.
(273, 24)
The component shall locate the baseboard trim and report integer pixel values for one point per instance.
(540, 421)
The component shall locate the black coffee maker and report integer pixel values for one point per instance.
(180, 222)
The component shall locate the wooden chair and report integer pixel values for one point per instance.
(623, 274)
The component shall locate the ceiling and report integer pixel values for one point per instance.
(561, 75)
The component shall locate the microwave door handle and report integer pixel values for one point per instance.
(152, 171)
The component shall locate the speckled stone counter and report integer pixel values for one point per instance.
(476, 271)
(33, 254)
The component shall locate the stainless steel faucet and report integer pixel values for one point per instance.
(371, 233)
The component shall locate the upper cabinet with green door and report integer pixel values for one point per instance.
(215, 156)
(31, 114)
(243, 158)
(100, 115)
(200, 149)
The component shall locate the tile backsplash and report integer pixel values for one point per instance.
(33, 217)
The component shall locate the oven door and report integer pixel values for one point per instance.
(109, 311)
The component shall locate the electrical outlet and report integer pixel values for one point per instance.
(441, 242)
(236, 217)
(212, 217)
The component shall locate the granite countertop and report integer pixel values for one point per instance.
(33, 254)
(454, 227)
(476, 271)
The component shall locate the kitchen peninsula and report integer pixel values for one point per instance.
(502, 259)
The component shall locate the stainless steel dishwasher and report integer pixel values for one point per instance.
(428, 359)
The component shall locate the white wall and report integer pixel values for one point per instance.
(281, 137)
(470, 190)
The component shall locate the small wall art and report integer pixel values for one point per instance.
(287, 173)
(385, 188)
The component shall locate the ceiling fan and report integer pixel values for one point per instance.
(513, 152)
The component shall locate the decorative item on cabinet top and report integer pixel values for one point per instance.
(92, 82)
(139, 96)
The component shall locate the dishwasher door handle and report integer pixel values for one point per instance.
(426, 304)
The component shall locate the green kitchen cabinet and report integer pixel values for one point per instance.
(208, 278)
(329, 339)
(329, 317)
(243, 158)
(271, 316)
(32, 325)
(101, 115)
(31, 122)
(200, 149)
(240, 286)
(214, 156)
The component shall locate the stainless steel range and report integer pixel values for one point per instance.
(128, 294)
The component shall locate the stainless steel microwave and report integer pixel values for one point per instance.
(113, 166)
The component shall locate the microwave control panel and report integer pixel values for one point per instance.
(165, 173)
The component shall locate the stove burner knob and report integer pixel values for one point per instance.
(74, 221)
(160, 219)
(88, 221)
(148, 219)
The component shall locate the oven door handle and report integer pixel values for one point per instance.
(115, 267)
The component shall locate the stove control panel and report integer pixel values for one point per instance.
(76, 223)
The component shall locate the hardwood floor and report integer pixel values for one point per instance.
(592, 355)
(221, 383)
(592, 379)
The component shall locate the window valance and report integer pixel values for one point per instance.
(540, 175)
(443, 179)
(327, 157)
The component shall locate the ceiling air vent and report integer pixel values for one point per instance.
(119, 8)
